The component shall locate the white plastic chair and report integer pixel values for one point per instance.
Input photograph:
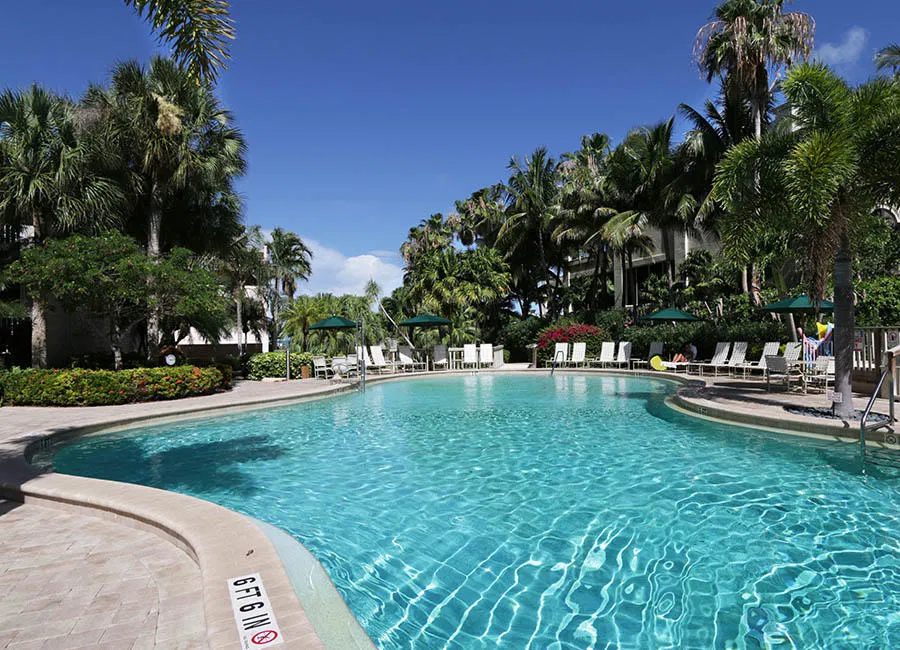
(578, 351)
(439, 357)
(560, 355)
(769, 349)
(656, 350)
(406, 361)
(623, 359)
(486, 354)
(470, 355)
(378, 363)
(607, 354)
(718, 358)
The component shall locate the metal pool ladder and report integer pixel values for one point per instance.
(876, 455)
(556, 356)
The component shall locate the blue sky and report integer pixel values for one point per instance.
(363, 118)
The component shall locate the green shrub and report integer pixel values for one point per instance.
(879, 302)
(272, 364)
(80, 387)
(517, 335)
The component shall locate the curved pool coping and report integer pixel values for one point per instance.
(225, 543)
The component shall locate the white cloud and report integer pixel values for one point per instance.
(848, 51)
(334, 272)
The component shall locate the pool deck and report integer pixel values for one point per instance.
(91, 563)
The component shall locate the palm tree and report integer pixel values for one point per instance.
(290, 259)
(244, 267)
(197, 30)
(532, 198)
(172, 137)
(888, 57)
(46, 180)
(626, 233)
(300, 314)
(745, 39)
(817, 181)
(585, 206)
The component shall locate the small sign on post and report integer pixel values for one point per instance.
(858, 341)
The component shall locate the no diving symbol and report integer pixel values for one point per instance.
(264, 637)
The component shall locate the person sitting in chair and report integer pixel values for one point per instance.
(687, 355)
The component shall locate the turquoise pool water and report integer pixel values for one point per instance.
(533, 512)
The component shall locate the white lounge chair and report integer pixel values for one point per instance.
(560, 355)
(578, 351)
(406, 360)
(718, 358)
(320, 368)
(779, 369)
(769, 349)
(792, 351)
(378, 363)
(656, 350)
(470, 355)
(607, 354)
(738, 355)
(440, 357)
(363, 356)
(822, 373)
(623, 358)
(486, 355)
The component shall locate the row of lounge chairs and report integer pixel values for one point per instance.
(727, 359)
(474, 356)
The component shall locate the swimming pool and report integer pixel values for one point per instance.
(536, 512)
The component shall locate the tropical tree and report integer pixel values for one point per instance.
(47, 181)
(197, 30)
(290, 259)
(243, 268)
(748, 41)
(626, 233)
(817, 181)
(888, 57)
(170, 138)
(586, 207)
(532, 199)
(433, 233)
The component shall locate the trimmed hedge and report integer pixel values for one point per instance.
(272, 364)
(79, 387)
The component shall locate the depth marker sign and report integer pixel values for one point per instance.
(253, 613)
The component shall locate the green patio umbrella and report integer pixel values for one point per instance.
(334, 323)
(801, 304)
(671, 314)
(425, 320)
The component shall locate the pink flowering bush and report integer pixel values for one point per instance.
(572, 333)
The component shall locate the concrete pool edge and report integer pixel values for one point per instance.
(221, 542)
(219, 539)
(329, 613)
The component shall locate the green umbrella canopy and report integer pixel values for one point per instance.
(334, 323)
(801, 304)
(425, 320)
(671, 314)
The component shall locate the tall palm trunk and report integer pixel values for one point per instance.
(239, 324)
(843, 327)
(38, 313)
(154, 225)
(595, 277)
